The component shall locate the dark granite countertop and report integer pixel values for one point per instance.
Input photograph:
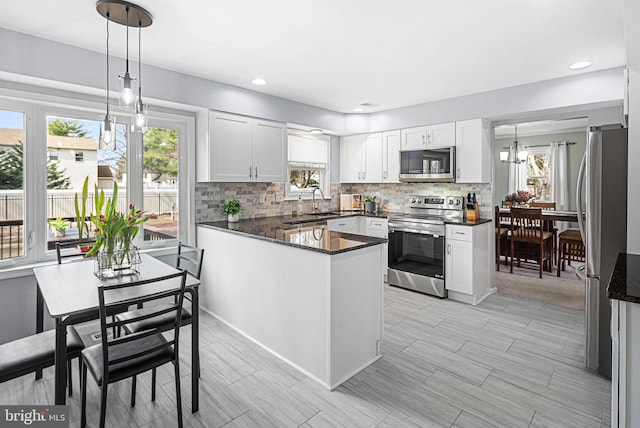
(625, 280)
(467, 222)
(307, 232)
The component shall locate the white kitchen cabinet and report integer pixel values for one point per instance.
(414, 138)
(361, 158)
(429, 137)
(441, 135)
(467, 262)
(473, 151)
(391, 156)
(234, 148)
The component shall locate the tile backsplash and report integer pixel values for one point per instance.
(267, 199)
(257, 200)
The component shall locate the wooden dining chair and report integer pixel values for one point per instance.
(118, 358)
(528, 237)
(549, 225)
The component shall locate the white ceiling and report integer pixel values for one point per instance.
(338, 54)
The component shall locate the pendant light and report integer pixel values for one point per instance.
(108, 123)
(127, 95)
(129, 15)
(519, 155)
(141, 112)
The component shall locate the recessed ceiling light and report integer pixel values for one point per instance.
(316, 131)
(358, 109)
(580, 64)
(258, 81)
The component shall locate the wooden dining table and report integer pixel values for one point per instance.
(70, 292)
(551, 215)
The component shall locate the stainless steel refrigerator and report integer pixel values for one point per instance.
(603, 182)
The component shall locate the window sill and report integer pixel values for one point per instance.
(18, 271)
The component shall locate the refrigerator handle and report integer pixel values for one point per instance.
(579, 188)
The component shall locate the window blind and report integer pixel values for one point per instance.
(306, 150)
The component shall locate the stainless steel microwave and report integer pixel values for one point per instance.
(435, 165)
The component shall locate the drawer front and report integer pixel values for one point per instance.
(380, 224)
(342, 224)
(460, 233)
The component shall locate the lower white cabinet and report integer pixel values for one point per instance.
(361, 225)
(468, 262)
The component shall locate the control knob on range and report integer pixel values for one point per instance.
(450, 201)
(413, 200)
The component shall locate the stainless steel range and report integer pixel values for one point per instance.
(416, 243)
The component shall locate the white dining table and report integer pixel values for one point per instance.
(70, 293)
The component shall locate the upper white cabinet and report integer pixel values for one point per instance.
(429, 137)
(473, 152)
(391, 156)
(414, 138)
(233, 148)
(361, 158)
(441, 135)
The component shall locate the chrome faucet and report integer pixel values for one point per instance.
(315, 205)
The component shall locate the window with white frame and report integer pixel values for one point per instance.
(29, 201)
(308, 165)
(538, 172)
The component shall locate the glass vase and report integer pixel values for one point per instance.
(116, 263)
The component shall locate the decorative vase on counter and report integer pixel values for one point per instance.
(371, 207)
(233, 218)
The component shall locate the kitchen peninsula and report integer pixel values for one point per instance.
(311, 296)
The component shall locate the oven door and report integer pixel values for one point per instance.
(416, 259)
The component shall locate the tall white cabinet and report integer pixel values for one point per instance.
(234, 148)
(473, 151)
(391, 156)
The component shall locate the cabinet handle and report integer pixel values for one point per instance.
(449, 249)
(428, 139)
(458, 173)
(342, 224)
(423, 142)
(384, 175)
(250, 172)
(364, 174)
(256, 172)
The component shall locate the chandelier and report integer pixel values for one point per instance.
(514, 154)
(129, 15)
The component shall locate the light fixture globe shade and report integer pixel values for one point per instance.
(127, 97)
(108, 129)
(504, 156)
(523, 155)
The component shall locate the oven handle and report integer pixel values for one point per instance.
(421, 232)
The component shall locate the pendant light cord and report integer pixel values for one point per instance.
(140, 62)
(127, 25)
(108, 65)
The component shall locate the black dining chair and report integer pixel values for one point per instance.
(37, 352)
(189, 258)
(76, 248)
(118, 358)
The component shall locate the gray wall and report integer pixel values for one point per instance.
(574, 157)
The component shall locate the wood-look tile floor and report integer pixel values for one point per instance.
(504, 363)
